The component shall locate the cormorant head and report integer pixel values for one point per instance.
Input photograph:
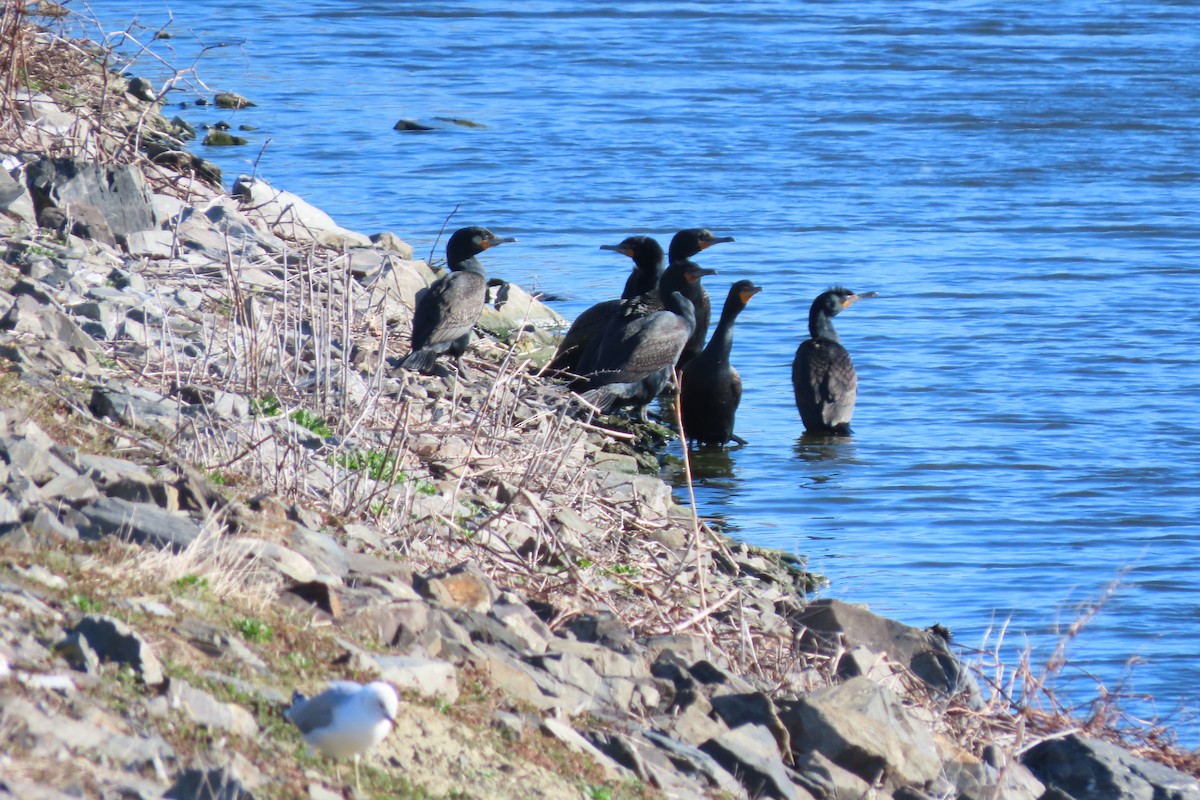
(645, 251)
(690, 241)
(742, 291)
(469, 242)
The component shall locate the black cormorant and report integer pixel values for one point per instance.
(710, 388)
(638, 353)
(822, 373)
(647, 255)
(450, 307)
(686, 244)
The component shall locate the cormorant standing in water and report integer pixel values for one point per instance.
(647, 255)
(451, 306)
(686, 244)
(822, 373)
(635, 359)
(710, 388)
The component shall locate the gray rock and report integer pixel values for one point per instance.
(575, 741)
(321, 549)
(217, 783)
(428, 677)
(56, 736)
(15, 201)
(390, 241)
(695, 762)
(119, 478)
(150, 244)
(1088, 769)
(201, 708)
(45, 320)
(736, 710)
(977, 780)
(78, 653)
(397, 624)
(569, 669)
(84, 220)
(534, 634)
(118, 191)
(113, 640)
(510, 308)
(287, 562)
(822, 778)
(863, 727)
(749, 751)
(831, 624)
(289, 216)
(140, 523)
(136, 407)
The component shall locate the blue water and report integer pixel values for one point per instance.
(1019, 182)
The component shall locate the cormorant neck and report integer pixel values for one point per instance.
(676, 302)
(722, 339)
(471, 264)
(820, 326)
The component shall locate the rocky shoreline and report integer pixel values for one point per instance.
(219, 489)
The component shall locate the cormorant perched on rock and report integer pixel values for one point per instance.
(636, 357)
(686, 244)
(450, 307)
(822, 373)
(710, 388)
(647, 255)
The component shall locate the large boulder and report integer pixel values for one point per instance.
(289, 216)
(117, 192)
(834, 626)
(1079, 768)
(862, 727)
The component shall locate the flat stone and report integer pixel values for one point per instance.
(575, 741)
(140, 523)
(202, 708)
(113, 640)
(749, 751)
(283, 560)
(58, 736)
(520, 620)
(150, 244)
(695, 761)
(428, 677)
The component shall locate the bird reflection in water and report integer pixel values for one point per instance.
(826, 455)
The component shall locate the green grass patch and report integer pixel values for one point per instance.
(310, 421)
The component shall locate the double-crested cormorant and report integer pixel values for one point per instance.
(686, 244)
(638, 353)
(710, 388)
(451, 306)
(647, 255)
(822, 373)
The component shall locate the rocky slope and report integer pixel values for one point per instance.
(218, 489)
